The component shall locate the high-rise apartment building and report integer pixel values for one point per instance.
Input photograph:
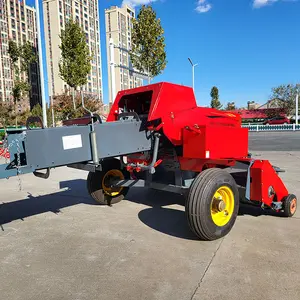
(118, 23)
(56, 13)
(18, 23)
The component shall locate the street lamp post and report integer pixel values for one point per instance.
(193, 71)
(297, 107)
(40, 54)
(112, 69)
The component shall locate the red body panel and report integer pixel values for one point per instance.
(175, 106)
(215, 142)
(264, 176)
(166, 98)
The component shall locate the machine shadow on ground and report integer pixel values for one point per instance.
(158, 215)
(35, 205)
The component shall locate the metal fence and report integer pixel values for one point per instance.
(288, 127)
(12, 128)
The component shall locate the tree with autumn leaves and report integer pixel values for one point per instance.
(63, 106)
(284, 99)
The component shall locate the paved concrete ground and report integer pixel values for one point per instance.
(275, 140)
(56, 244)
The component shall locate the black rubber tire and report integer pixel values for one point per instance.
(94, 183)
(287, 208)
(199, 199)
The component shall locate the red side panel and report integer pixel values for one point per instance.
(174, 123)
(264, 177)
(215, 142)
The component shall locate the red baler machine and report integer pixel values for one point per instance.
(203, 153)
(157, 137)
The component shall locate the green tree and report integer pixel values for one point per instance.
(38, 112)
(230, 106)
(284, 97)
(14, 53)
(20, 87)
(148, 53)
(6, 112)
(215, 102)
(28, 56)
(75, 62)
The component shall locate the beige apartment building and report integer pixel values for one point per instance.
(118, 24)
(18, 23)
(56, 13)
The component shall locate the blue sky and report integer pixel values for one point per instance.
(244, 47)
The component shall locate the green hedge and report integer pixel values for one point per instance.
(2, 135)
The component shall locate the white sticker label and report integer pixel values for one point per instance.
(72, 141)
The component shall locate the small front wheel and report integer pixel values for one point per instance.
(99, 183)
(212, 204)
(289, 205)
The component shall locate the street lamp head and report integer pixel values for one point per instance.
(192, 63)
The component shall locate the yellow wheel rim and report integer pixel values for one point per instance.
(112, 174)
(222, 206)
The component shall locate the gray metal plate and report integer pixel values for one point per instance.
(121, 138)
(52, 147)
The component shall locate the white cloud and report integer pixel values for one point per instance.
(203, 6)
(134, 3)
(261, 3)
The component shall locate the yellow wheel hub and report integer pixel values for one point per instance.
(222, 206)
(106, 185)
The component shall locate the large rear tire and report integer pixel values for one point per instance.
(98, 183)
(212, 204)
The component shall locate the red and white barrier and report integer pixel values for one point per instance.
(4, 153)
